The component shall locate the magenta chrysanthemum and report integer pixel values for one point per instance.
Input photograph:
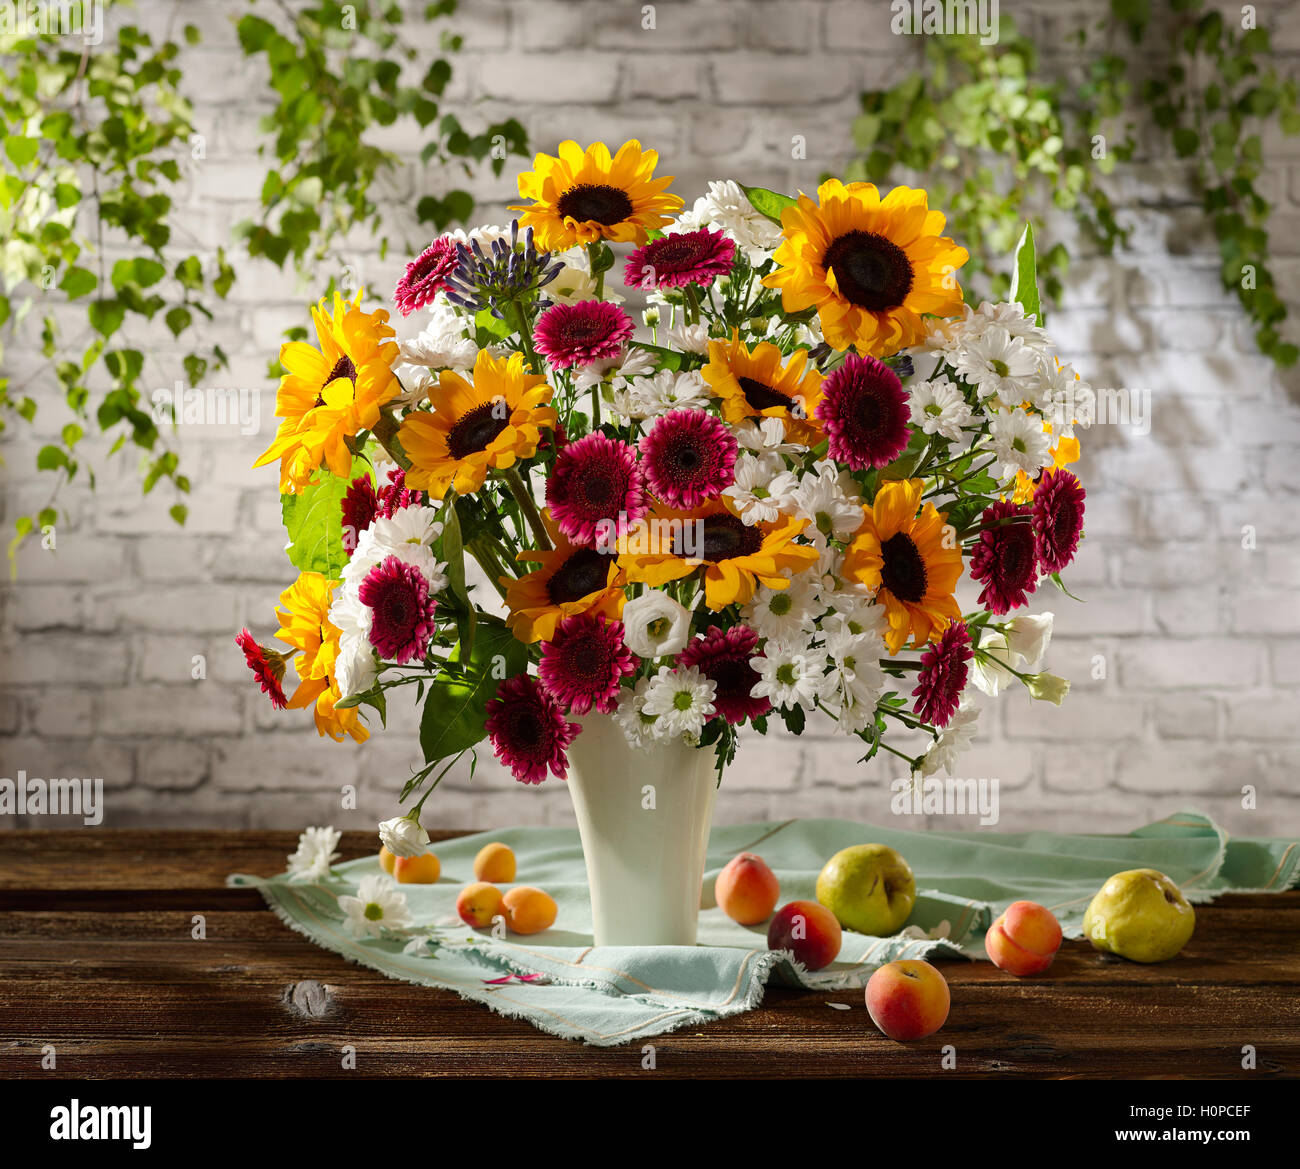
(267, 666)
(724, 657)
(528, 730)
(585, 663)
(688, 456)
(426, 275)
(582, 333)
(1004, 558)
(398, 596)
(360, 507)
(596, 488)
(395, 495)
(864, 412)
(1058, 519)
(944, 670)
(688, 257)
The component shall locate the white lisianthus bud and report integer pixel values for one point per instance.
(403, 836)
(990, 673)
(1048, 687)
(1029, 636)
(655, 626)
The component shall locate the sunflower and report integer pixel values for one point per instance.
(907, 559)
(871, 266)
(737, 557)
(573, 578)
(330, 394)
(582, 197)
(476, 428)
(754, 383)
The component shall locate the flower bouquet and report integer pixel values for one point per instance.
(753, 512)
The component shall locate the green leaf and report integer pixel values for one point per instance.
(769, 203)
(1024, 278)
(455, 712)
(313, 517)
(21, 151)
(77, 282)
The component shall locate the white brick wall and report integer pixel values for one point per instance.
(1199, 637)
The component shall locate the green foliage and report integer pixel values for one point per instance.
(313, 518)
(989, 135)
(455, 711)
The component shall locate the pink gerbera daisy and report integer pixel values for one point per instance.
(944, 670)
(395, 495)
(1058, 519)
(689, 456)
(426, 275)
(360, 507)
(724, 657)
(864, 412)
(688, 257)
(1004, 558)
(582, 333)
(398, 595)
(585, 663)
(528, 730)
(267, 666)
(596, 486)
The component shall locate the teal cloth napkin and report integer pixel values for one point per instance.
(564, 985)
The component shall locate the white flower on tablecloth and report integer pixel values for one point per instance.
(310, 862)
(378, 906)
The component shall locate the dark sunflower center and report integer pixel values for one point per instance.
(342, 368)
(475, 430)
(586, 571)
(872, 272)
(903, 572)
(725, 538)
(595, 201)
(760, 396)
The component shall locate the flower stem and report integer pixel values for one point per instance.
(524, 497)
(385, 432)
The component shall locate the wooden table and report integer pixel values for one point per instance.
(97, 960)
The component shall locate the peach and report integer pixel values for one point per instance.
(1024, 940)
(478, 904)
(908, 999)
(528, 910)
(424, 869)
(386, 859)
(495, 862)
(809, 930)
(747, 890)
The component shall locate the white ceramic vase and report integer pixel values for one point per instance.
(644, 820)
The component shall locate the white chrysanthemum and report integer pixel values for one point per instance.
(939, 408)
(756, 493)
(857, 613)
(378, 906)
(952, 741)
(828, 498)
(416, 381)
(357, 666)
(667, 390)
(998, 365)
(1008, 315)
(726, 208)
(856, 678)
(680, 700)
(794, 676)
(689, 338)
(1065, 399)
(409, 535)
(637, 726)
(616, 376)
(310, 861)
(1019, 441)
(576, 282)
(786, 616)
(442, 343)
(764, 436)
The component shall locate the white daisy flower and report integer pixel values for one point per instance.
(856, 678)
(689, 338)
(310, 861)
(637, 726)
(357, 665)
(681, 701)
(794, 676)
(952, 741)
(1065, 399)
(998, 365)
(379, 905)
(1019, 441)
(667, 390)
(763, 436)
(757, 492)
(856, 613)
(1008, 315)
(727, 208)
(409, 534)
(939, 408)
(828, 498)
(784, 616)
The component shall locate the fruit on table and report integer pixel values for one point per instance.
(478, 904)
(1024, 939)
(809, 931)
(908, 999)
(424, 869)
(869, 888)
(747, 890)
(528, 910)
(386, 859)
(495, 862)
(1140, 914)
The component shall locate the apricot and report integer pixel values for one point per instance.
(528, 910)
(809, 930)
(386, 859)
(908, 999)
(424, 869)
(1024, 939)
(495, 862)
(478, 904)
(747, 890)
